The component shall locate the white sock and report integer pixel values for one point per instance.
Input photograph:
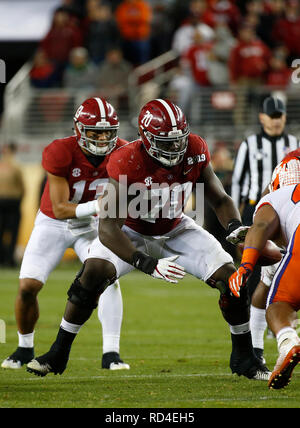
(71, 328)
(240, 329)
(26, 340)
(287, 338)
(110, 314)
(258, 325)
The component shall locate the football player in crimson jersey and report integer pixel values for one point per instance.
(277, 217)
(77, 175)
(169, 155)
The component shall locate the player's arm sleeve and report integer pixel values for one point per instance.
(239, 173)
(56, 159)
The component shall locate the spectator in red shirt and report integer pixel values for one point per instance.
(248, 65)
(62, 37)
(249, 58)
(195, 59)
(43, 73)
(287, 29)
(198, 12)
(279, 75)
(183, 37)
(194, 73)
(222, 12)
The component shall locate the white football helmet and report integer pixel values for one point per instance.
(286, 173)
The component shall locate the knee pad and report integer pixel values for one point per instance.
(84, 297)
(85, 291)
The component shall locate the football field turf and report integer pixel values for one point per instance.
(173, 337)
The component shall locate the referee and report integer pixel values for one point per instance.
(256, 159)
(258, 155)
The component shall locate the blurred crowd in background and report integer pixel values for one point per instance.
(220, 41)
(95, 44)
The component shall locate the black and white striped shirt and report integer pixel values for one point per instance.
(256, 159)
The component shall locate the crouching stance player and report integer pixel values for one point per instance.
(277, 217)
(76, 175)
(167, 161)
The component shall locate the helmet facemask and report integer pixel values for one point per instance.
(168, 150)
(286, 174)
(98, 147)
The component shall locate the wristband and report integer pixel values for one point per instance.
(232, 225)
(143, 262)
(250, 257)
(87, 209)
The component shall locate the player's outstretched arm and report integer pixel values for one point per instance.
(266, 226)
(62, 208)
(112, 218)
(221, 202)
(112, 236)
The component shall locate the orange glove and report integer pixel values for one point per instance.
(239, 278)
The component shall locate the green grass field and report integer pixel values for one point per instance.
(174, 338)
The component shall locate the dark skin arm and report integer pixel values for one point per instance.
(110, 233)
(220, 201)
(266, 226)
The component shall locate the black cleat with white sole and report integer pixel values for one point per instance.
(51, 362)
(250, 367)
(20, 357)
(112, 361)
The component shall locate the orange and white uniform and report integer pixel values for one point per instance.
(286, 282)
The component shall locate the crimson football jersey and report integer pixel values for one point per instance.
(133, 161)
(64, 158)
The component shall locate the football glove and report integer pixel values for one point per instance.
(167, 270)
(239, 278)
(237, 235)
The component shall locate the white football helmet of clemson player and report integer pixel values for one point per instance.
(286, 173)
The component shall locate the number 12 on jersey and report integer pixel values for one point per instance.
(98, 185)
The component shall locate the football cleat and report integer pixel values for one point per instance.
(284, 367)
(262, 374)
(250, 367)
(112, 361)
(18, 358)
(50, 362)
(259, 353)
